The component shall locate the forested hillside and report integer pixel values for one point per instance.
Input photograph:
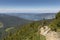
(8, 22)
(30, 31)
(26, 32)
(55, 25)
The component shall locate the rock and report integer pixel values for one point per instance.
(49, 34)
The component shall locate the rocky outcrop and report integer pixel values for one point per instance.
(49, 34)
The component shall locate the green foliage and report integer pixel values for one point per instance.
(58, 15)
(44, 22)
(26, 32)
(55, 25)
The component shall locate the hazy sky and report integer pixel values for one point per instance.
(29, 6)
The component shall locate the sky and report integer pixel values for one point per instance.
(29, 6)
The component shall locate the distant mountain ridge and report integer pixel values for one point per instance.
(14, 19)
(34, 17)
(9, 21)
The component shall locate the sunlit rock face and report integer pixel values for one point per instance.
(50, 35)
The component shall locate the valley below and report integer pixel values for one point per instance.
(21, 26)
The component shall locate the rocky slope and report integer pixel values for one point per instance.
(49, 34)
